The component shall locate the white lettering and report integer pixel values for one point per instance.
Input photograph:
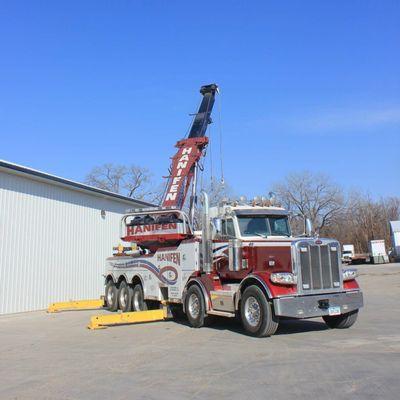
(187, 150)
(171, 196)
(176, 180)
(181, 165)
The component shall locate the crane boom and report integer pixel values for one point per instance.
(189, 152)
(203, 116)
(169, 224)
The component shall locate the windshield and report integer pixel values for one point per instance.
(261, 225)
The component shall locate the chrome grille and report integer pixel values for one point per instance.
(319, 266)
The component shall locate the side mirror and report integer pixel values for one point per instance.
(308, 227)
(217, 224)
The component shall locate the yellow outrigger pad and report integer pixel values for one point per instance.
(76, 305)
(135, 317)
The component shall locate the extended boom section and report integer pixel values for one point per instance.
(189, 152)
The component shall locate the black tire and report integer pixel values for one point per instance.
(138, 302)
(111, 296)
(343, 321)
(153, 304)
(195, 307)
(125, 297)
(256, 313)
(177, 311)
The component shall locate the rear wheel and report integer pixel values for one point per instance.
(256, 313)
(138, 302)
(195, 306)
(343, 321)
(124, 297)
(111, 297)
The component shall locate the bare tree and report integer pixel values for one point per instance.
(106, 177)
(313, 196)
(352, 219)
(217, 191)
(366, 219)
(131, 181)
(392, 208)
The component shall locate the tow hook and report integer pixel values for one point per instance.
(323, 304)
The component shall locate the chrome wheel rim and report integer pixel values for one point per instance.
(110, 295)
(194, 305)
(137, 301)
(252, 311)
(123, 299)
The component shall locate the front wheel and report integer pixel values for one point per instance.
(343, 321)
(256, 313)
(195, 306)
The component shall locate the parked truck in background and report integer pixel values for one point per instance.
(347, 253)
(349, 256)
(242, 260)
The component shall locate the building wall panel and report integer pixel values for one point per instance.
(53, 242)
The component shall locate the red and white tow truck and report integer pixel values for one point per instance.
(244, 261)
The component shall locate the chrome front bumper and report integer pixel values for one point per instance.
(317, 305)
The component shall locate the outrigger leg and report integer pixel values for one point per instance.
(135, 317)
(76, 305)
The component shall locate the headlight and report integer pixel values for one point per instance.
(284, 278)
(349, 274)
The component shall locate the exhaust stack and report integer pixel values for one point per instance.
(206, 249)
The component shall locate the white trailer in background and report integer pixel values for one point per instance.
(395, 236)
(377, 251)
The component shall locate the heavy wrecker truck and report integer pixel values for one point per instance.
(244, 261)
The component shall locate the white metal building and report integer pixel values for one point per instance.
(54, 237)
(395, 236)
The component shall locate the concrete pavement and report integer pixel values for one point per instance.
(53, 356)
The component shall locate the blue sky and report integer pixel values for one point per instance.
(305, 85)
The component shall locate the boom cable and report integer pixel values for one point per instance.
(211, 161)
(220, 140)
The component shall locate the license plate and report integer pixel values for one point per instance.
(334, 310)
